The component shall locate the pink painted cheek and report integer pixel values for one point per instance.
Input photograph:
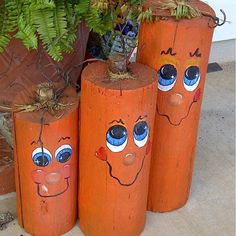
(149, 147)
(38, 176)
(197, 95)
(101, 154)
(66, 171)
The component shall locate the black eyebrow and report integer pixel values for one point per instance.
(196, 53)
(141, 118)
(117, 121)
(63, 138)
(34, 142)
(169, 51)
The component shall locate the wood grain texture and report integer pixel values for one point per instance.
(46, 196)
(183, 44)
(113, 185)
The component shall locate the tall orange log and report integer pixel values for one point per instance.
(179, 51)
(46, 182)
(116, 131)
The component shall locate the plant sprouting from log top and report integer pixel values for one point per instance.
(110, 17)
(178, 8)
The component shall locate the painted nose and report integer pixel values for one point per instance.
(129, 159)
(53, 178)
(176, 99)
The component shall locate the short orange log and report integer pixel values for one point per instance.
(179, 51)
(46, 184)
(116, 132)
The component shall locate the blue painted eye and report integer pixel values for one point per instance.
(191, 78)
(167, 77)
(41, 158)
(63, 153)
(141, 132)
(117, 137)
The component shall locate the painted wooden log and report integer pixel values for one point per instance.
(179, 51)
(46, 182)
(116, 129)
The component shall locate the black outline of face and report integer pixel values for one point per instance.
(66, 179)
(140, 119)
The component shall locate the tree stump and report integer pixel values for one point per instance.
(116, 129)
(179, 51)
(46, 167)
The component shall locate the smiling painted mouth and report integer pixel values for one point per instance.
(183, 118)
(55, 195)
(119, 181)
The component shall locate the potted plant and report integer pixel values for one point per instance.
(116, 126)
(177, 46)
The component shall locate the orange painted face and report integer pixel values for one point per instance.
(127, 145)
(179, 83)
(52, 165)
(46, 177)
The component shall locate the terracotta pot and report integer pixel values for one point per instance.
(46, 185)
(20, 68)
(116, 128)
(179, 51)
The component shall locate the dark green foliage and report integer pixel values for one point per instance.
(99, 23)
(53, 22)
(109, 18)
(106, 15)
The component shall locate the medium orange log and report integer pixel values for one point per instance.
(116, 131)
(46, 182)
(179, 51)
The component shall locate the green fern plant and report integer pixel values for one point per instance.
(109, 18)
(52, 22)
(106, 15)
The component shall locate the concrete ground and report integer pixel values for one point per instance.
(210, 210)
